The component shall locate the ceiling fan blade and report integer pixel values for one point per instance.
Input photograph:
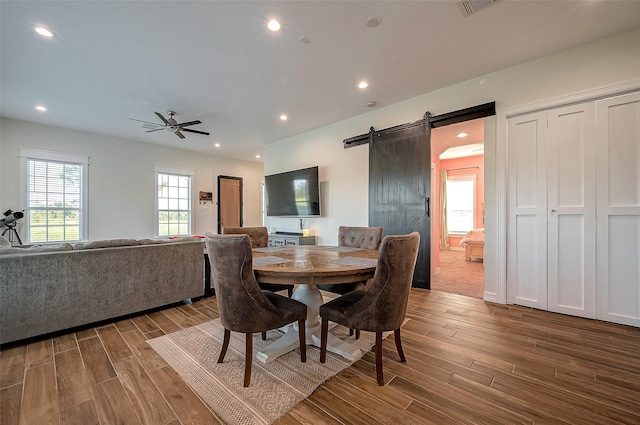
(146, 122)
(150, 126)
(184, 124)
(164, 120)
(177, 132)
(155, 129)
(195, 131)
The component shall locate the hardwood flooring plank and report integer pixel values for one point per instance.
(164, 323)
(341, 409)
(96, 361)
(10, 402)
(12, 366)
(307, 413)
(125, 325)
(80, 414)
(368, 384)
(142, 351)
(379, 409)
(112, 404)
(73, 384)
(86, 333)
(39, 353)
(114, 344)
(144, 323)
(40, 398)
(149, 404)
(64, 342)
(187, 406)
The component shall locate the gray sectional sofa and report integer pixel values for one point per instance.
(52, 288)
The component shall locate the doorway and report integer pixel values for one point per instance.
(458, 222)
(229, 202)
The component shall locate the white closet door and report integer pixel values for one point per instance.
(571, 174)
(618, 140)
(527, 211)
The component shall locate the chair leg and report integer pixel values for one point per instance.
(290, 292)
(350, 331)
(303, 341)
(264, 336)
(396, 334)
(248, 356)
(357, 333)
(379, 359)
(225, 345)
(324, 331)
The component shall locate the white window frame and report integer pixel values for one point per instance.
(473, 179)
(25, 155)
(176, 172)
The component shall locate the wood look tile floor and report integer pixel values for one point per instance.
(468, 362)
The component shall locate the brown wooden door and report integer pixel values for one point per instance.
(229, 202)
(400, 188)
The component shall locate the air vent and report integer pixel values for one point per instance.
(469, 7)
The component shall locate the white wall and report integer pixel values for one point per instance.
(121, 178)
(607, 62)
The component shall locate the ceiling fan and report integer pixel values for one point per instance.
(170, 124)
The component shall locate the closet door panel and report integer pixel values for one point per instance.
(572, 210)
(526, 211)
(618, 279)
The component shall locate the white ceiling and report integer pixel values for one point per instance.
(215, 60)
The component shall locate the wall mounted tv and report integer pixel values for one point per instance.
(293, 194)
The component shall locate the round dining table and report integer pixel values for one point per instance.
(307, 266)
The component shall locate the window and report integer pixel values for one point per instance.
(54, 192)
(460, 203)
(173, 213)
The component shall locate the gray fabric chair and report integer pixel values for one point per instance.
(243, 307)
(383, 305)
(355, 237)
(259, 239)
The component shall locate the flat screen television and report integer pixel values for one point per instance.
(293, 193)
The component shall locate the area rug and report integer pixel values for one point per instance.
(275, 387)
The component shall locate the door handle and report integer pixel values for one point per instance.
(427, 206)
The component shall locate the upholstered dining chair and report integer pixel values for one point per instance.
(355, 237)
(243, 307)
(259, 239)
(383, 305)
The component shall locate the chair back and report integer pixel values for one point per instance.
(259, 235)
(241, 304)
(384, 306)
(360, 237)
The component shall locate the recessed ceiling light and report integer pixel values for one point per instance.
(373, 22)
(363, 84)
(216, 145)
(284, 117)
(371, 104)
(274, 25)
(44, 31)
(461, 135)
(257, 156)
(41, 108)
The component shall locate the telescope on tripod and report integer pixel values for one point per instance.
(10, 221)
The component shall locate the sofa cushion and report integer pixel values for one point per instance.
(35, 249)
(108, 243)
(159, 241)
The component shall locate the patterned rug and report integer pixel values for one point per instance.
(275, 387)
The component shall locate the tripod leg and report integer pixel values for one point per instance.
(17, 236)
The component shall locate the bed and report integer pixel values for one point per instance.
(473, 244)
